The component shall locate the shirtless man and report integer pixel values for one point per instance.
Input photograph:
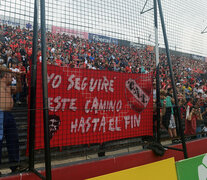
(8, 127)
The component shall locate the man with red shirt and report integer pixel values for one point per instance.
(29, 51)
(58, 61)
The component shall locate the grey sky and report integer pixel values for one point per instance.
(185, 19)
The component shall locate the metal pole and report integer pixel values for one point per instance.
(45, 93)
(33, 88)
(172, 78)
(157, 72)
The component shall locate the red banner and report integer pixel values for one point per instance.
(93, 106)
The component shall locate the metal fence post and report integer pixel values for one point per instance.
(45, 93)
(33, 88)
(172, 78)
(157, 72)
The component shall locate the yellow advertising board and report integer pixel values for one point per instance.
(161, 170)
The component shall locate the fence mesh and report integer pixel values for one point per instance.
(16, 20)
(101, 64)
(95, 92)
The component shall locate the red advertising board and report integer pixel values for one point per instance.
(93, 106)
(70, 32)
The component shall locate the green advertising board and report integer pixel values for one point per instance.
(193, 168)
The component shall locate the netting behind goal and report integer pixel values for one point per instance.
(101, 72)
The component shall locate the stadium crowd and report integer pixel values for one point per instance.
(74, 52)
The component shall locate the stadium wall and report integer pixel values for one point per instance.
(116, 163)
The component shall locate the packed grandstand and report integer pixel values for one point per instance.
(66, 50)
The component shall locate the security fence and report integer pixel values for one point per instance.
(92, 77)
